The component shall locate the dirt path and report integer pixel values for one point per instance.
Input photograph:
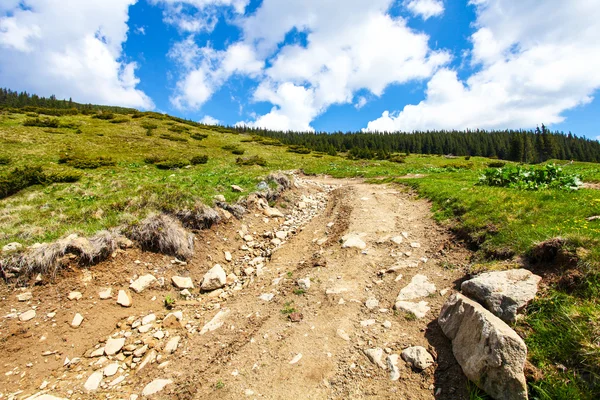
(251, 354)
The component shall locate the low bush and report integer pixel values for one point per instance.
(104, 116)
(171, 164)
(23, 177)
(179, 128)
(254, 160)
(234, 149)
(238, 152)
(4, 160)
(153, 159)
(298, 149)
(203, 159)
(148, 125)
(173, 138)
(69, 125)
(458, 166)
(198, 136)
(496, 164)
(397, 159)
(120, 120)
(85, 162)
(42, 122)
(518, 177)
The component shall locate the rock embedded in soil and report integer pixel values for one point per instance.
(155, 386)
(489, 352)
(142, 283)
(419, 286)
(172, 344)
(111, 369)
(124, 299)
(354, 242)
(392, 364)
(215, 278)
(419, 310)
(372, 303)
(504, 293)
(26, 296)
(182, 282)
(215, 323)
(77, 320)
(304, 283)
(105, 294)
(418, 357)
(113, 346)
(228, 256)
(375, 356)
(75, 296)
(236, 188)
(93, 381)
(343, 335)
(27, 315)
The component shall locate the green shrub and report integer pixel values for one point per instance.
(198, 136)
(229, 147)
(458, 166)
(518, 177)
(153, 159)
(69, 125)
(203, 159)
(496, 164)
(298, 149)
(173, 138)
(4, 160)
(32, 114)
(84, 162)
(119, 120)
(104, 115)
(23, 177)
(179, 128)
(171, 164)
(42, 122)
(238, 152)
(398, 159)
(148, 125)
(254, 160)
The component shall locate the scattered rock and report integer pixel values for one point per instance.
(77, 320)
(228, 256)
(418, 287)
(392, 364)
(124, 299)
(236, 188)
(148, 319)
(93, 381)
(142, 283)
(372, 303)
(418, 357)
(490, 353)
(75, 296)
(215, 278)
(296, 358)
(113, 346)
(215, 323)
(155, 386)
(181, 282)
(220, 198)
(111, 369)
(367, 322)
(24, 296)
(304, 283)
(281, 235)
(375, 356)
(231, 279)
(415, 245)
(27, 315)
(266, 296)
(419, 310)
(354, 242)
(504, 293)
(343, 335)
(397, 240)
(105, 294)
(387, 324)
(296, 317)
(172, 344)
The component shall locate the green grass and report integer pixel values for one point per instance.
(560, 328)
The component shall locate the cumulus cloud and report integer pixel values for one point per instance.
(76, 54)
(530, 70)
(425, 8)
(208, 120)
(195, 16)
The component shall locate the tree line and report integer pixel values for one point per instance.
(528, 146)
(33, 102)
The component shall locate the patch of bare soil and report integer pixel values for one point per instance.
(276, 341)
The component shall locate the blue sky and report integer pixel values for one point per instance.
(325, 65)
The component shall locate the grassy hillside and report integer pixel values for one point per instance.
(114, 171)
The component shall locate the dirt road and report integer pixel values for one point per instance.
(277, 340)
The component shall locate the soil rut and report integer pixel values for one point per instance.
(251, 354)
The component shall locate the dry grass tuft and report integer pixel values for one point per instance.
(201, 217)
(163, 234)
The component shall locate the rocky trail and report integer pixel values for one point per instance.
(337, 299)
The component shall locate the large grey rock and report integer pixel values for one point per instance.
(419, 310)
(489, 352)
(376, 356)
(215, 278)
(182, 282)
(93, 381)
(504, 293)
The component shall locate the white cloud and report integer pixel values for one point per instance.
(70, 49)
(425, 8)
(360, 102)
(140, 30)
(197, 15)
(531, 70)
(208, 120)
(358, 46)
